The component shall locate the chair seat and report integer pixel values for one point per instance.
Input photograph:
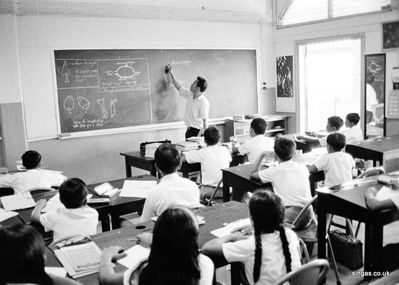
(308, 234)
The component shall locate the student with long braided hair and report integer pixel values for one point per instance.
(268, 254)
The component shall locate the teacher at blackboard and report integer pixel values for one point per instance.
(197, 106)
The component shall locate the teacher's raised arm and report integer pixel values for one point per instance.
(197, 106)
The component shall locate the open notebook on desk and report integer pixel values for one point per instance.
(79, 260)
(18, 201)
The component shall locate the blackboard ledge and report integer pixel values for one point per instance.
(153, 127)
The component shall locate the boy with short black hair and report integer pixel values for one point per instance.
(258, 143)
(172, 190)
(72, 219)
(336, 164)
(354, 133)
(34, 177)
(213, 158)
(290, 180)
(334, 124)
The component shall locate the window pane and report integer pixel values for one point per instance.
(345, 7)
(305, 10)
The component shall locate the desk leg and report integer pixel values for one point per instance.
(373, 247)
(105, 225)
(226, 194)
(128, 168)
(235, 273)
(115, 220)
(321, 233)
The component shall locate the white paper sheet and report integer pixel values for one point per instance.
(5, 215)
(386, 193)
(18, 201)
(57, 271)
(137, 188)
(232, 227)
(135, 256)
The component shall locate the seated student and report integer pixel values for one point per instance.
(175, 257)
(271, 252)
(75, 218)
(336, 164)
(23, 257)
(213, 158)
(172, 189)
(354, 133)
(334, 124)
(258, 142)
(290, 180)
(34, 177)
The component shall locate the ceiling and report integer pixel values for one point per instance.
(250, 11)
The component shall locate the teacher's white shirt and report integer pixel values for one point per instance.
(197, 109)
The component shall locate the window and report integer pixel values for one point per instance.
(329, 81)
(301, 11)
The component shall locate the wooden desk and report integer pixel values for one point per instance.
(215, 217)
(119, 205)
(136, 159)
(349, 203)
(373, 149)
(239, 179)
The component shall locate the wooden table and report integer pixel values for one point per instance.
(373, 149)
(136, 159)
(348, 201)
(215, 217)
(119, 205)
(115, 208)
(239, 179)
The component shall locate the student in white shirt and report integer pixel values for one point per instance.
(213, 158)
(75, 218)
(172, 190)
(258, 143)
(33, 177)
(197, 106)
(354, 133)
(290, 180)
(271, 252)
(334, 124)
(336, 164)
(174, 258)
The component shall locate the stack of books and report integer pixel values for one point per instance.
(186, 146)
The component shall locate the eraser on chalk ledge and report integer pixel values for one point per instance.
(64, 135)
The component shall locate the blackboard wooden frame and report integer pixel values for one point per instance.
(160, 126)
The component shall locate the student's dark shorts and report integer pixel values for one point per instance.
(192, 132)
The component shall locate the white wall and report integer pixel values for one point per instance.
(97, 158)
(368, 26)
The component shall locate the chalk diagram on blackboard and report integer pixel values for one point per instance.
(69, 103)
(101, 102)
(124, 71)
(65, 72)
(112, 106)
(83, 103)
(116, 75)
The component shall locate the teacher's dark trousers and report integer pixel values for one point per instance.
(192, 132)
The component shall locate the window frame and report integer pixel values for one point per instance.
(328, 19)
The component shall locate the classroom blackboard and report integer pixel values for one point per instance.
(107, 89)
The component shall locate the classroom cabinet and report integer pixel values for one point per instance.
(276, 124)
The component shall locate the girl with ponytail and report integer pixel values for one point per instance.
(271, 252)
